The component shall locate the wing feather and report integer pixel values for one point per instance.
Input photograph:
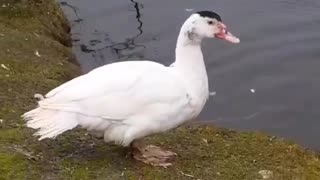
(118, 90)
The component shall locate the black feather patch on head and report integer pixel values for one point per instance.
(209, 14)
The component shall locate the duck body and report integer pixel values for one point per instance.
(123, 101)
(126, 101)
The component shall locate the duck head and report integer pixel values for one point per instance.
(207, 24)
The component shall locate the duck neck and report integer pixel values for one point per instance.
(189, 61)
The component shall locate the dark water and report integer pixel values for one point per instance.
(278, 57)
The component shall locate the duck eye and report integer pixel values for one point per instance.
(210, 22)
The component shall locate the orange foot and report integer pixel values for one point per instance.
(152, 155)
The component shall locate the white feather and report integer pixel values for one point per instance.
(50, 122)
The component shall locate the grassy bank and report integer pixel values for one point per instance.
(35, 57)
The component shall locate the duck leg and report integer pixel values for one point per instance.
(151, 154)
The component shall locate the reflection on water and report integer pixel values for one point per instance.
(278, 55)
(120, 49)
(74, 9)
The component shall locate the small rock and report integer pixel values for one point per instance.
(272, 138)
(2, 35)
(37, 53)
(1, 121)
(5, 67)
(4, 6)
(188, 175)
(36, 34)
(253, 90)
(266, 174)
(205, 141)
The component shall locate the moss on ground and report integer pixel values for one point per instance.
(34, 58)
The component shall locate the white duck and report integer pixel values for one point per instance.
(126, 101)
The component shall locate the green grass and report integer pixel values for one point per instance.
(30, 26)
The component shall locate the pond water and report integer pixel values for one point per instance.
(270, 82)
